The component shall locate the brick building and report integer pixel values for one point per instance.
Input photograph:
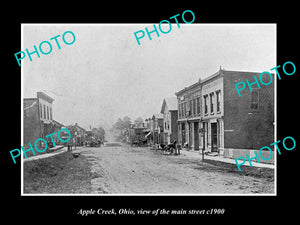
(221, 120)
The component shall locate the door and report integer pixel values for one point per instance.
(204, 135)
(196, 136)
(183, 133)
(214, 137)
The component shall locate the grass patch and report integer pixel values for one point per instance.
(61, 173)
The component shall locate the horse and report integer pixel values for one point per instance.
(170, 147)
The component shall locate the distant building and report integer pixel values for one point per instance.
(57, 127)
(78, 133)
(158, 136)
(213, 118)
(169, 111)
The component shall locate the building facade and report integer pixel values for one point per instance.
(212, 136)
(78, 134)
(170, 116)
(38, 121)
(189, 116)
(221, 120)
(158, 136)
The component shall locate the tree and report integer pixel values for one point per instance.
(139, 122)
(99, 133)
(122, 124)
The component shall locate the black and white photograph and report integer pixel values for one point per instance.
(149, 109)
(152, 113)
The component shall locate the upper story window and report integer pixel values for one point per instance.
(47, 113)
(41, 111)
(198, 105)
(50, 113)
(205, 104)
(194, 106)
(218, 93)
(211, 102)
(44, 112)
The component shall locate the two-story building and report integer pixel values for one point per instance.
(38, 119)
(227, 123)
(212, 135)
(170, 115)
(189, 116)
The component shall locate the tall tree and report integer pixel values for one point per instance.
(121, 124)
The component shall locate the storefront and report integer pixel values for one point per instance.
(212, 135)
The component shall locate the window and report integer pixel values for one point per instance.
(194, 106)
(47, 113)
(179, 110)
(198, 105)
(191, 107)
(254, 100)
(205, 104)
(218, 100)
(50, 113)
(44, 112)
(41, 111)
(211, 103)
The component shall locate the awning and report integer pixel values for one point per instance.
(150, 132)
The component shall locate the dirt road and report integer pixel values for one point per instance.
(139, 170)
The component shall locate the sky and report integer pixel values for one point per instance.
(105, 74)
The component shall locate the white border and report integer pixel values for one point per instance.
(113, 24)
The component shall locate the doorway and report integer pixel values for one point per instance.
(214, 137)
(196, 136)
(183, 133)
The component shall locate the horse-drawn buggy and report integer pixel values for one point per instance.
(138, 140)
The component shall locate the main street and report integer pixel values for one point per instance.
(122, 169)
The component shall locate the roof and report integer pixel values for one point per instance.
(42, 95)
(194, 85)
(170, 102)
(158, 116)
(58, 123)
(200, 82)
(79, 127)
